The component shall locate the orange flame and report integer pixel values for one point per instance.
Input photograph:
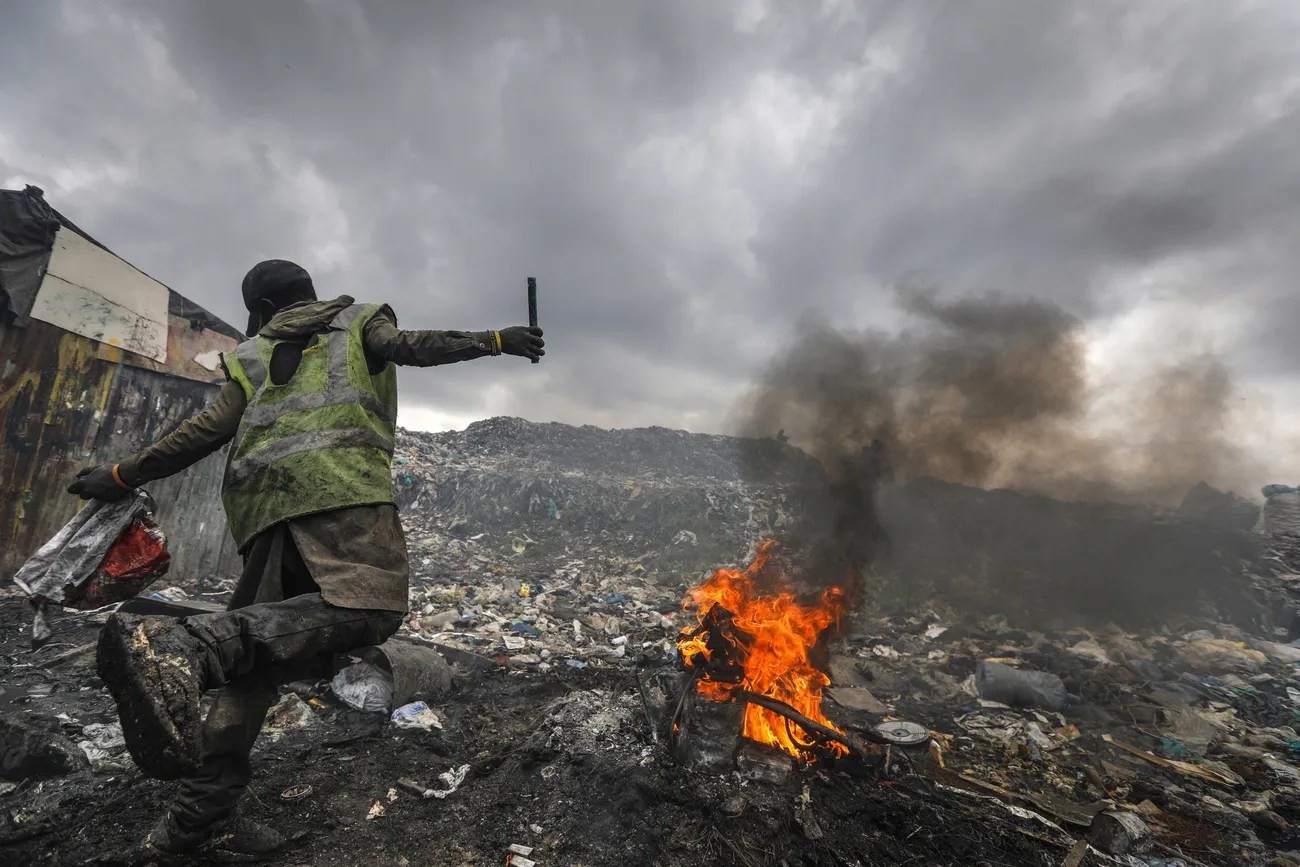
(778, 633)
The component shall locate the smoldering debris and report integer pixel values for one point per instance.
(995, 391)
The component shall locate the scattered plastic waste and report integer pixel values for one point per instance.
(598, 586)
(451, 781)
(364, 686)
(106, 553)
(1020, 688)
(416, 715)
(103, 744)
(1221, 656)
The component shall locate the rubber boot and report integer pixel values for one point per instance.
(233, 840)
(157, 672)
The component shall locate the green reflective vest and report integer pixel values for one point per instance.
(322, 441)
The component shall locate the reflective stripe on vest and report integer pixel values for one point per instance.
(239, 471)
(251, 360)
(338, 389)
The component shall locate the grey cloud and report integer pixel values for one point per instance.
(433, 155)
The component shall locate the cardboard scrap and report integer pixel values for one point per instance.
(1210, 775)
(857, 698)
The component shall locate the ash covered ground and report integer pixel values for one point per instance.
(558, 557)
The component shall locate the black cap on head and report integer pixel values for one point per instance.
(277, 280)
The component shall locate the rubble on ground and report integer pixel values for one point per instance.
(549, 565)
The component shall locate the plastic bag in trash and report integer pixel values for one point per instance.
(106, 554)
(1012, 686)
(103, 744)
(364, 686)
(416, 715)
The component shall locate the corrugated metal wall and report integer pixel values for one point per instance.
(62, 408)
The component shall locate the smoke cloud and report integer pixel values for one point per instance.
(999, 393)
(994, 391)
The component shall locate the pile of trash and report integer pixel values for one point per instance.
(1100, 685)
(508, 487)
(1179, 748)
(551, 545)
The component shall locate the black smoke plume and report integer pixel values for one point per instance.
(993, 392)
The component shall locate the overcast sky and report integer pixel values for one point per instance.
(686, 179)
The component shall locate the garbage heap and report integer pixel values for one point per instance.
(519, 530)
(1094, 685)
(1125, 674)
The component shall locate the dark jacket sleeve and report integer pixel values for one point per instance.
(195, 438)
(386, 342)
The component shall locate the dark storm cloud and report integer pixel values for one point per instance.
(686, 179)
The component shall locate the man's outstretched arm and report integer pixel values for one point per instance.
(194, 439)
(417, 348)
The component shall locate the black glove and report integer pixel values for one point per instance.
(525, 340)
(97, 483)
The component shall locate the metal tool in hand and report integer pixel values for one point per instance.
(532, 306)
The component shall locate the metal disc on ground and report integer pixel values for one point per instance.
(903, 733)
(293, 793)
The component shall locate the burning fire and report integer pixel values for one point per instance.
(760, 641)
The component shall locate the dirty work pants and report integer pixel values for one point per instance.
(258, 647)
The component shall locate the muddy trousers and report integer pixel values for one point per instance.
(256, 649)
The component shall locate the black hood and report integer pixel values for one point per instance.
(277, 280)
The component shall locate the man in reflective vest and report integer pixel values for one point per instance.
(310, 411)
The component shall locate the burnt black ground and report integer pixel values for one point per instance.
(599, 797)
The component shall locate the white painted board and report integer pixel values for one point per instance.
(91, 292)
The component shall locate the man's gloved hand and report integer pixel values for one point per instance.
(525, 340)
(98, 483)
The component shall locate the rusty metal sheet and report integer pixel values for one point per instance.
(61, 408)
(191, 353)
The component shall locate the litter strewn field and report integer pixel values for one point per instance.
(549, 567)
